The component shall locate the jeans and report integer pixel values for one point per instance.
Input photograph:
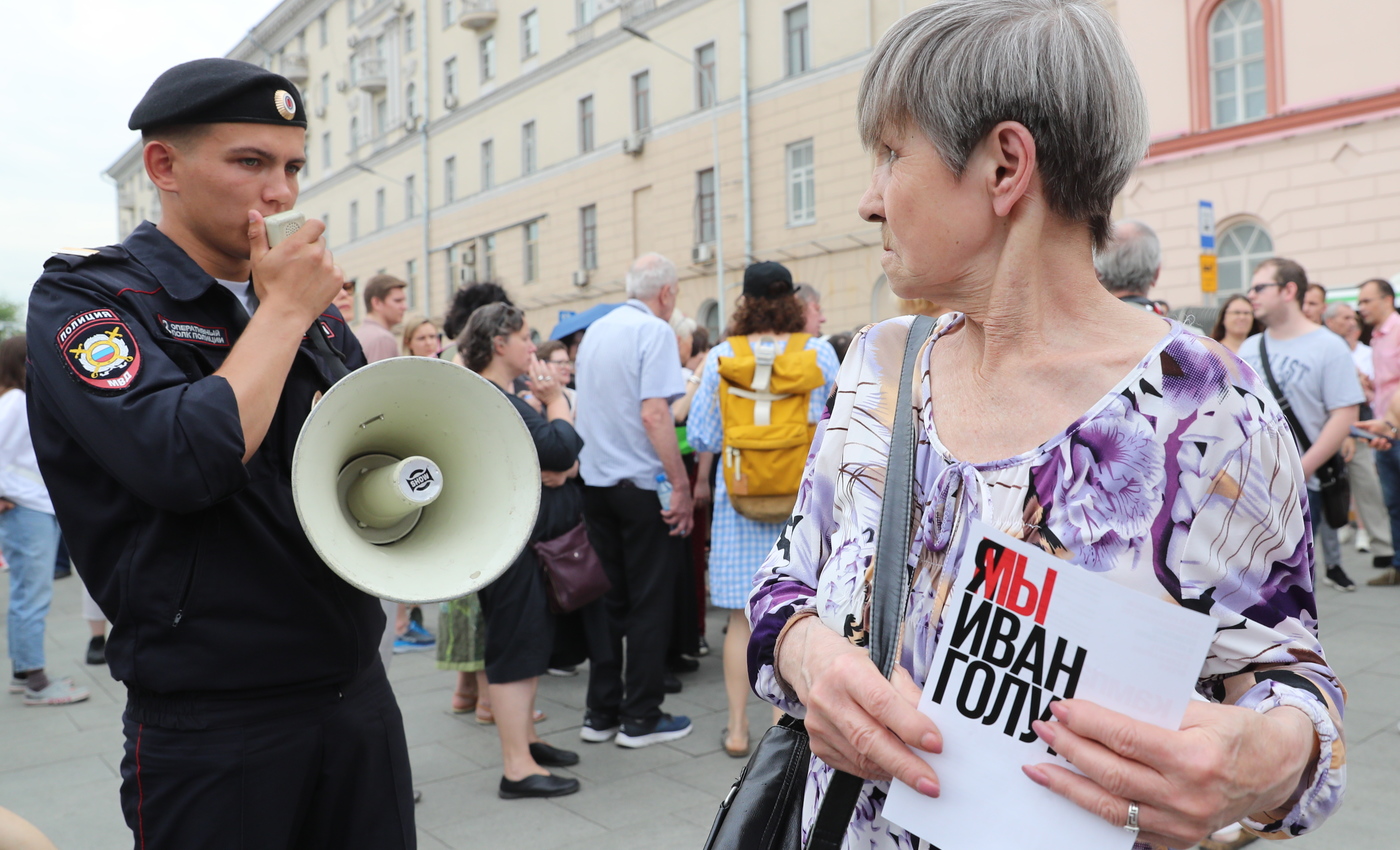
(1324, 535)
(29, 540)
(1388, 468)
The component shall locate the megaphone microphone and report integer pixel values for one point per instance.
(416, 480)
(279, 227)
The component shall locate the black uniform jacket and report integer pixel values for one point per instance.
(196, 558)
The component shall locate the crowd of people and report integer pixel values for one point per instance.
(1051, 400)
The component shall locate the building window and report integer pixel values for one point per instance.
(585, 11)
(488, 164)
(326, 223)
(641, 101)
(381, 116)
(410, 100)
(585, 124)
(354, 133)
(325, 90)
(1238, 92)
(801, 184)
(410, 277)
(323, 29)
(326, 151)
(410, 196)
(449, 77)
(705, 75)
(797, 42)
(705, 206)
(529, 34)
(410, 34)
(588, 237)
(379, 203)
(527, 148)
(449, 180)
(532, 251)
(449, 13)
(354, 220)
(1240, 248)
(487, 253)
(488, 59)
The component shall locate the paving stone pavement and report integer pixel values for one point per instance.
(59, 765)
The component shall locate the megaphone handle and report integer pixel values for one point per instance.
(333, 360)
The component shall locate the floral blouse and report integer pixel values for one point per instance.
(1183, 483)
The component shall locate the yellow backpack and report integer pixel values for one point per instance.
(763, 399)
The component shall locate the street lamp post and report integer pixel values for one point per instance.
(709, 86)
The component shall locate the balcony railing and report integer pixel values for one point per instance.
(370, 74)
(295, 67)
(477, 14)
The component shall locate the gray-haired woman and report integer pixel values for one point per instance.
(1110, 437)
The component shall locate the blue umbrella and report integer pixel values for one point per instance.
(581, 321)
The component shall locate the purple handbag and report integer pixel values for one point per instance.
(573, 575)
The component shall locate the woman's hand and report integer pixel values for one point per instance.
(558, 479)
(6, 505)
(541, 383)
(857, 721)
(1224, 764)
(1348, 450)
(701, 494)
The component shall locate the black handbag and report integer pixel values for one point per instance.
(763, 809)
(1332, 475)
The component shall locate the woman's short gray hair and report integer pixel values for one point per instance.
(1131, 259)
(649, 274)
(957, 68)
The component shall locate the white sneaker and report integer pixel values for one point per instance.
(1346, 534)
(59, 692)
(1363, 540)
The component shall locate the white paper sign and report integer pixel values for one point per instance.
(1021, 629)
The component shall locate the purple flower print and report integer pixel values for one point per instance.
(1104, 485)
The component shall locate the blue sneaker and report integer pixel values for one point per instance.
(417, 634)
(664, 728)
(402, 645)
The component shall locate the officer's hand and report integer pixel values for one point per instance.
(6, 505)
(299, 274)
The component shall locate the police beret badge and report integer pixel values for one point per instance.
(286, 104)
(100, 350)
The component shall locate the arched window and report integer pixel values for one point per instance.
(410, 97)
(354, 132)
(1241, 247)
(1238, 82)
(708, 317)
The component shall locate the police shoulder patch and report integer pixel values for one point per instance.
(100, 349)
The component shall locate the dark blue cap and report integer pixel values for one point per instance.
(216, 91)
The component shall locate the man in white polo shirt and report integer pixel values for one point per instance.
(629, 372)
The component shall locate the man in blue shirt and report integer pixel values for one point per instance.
(629, 372)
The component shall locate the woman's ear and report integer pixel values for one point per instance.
(1011, 150)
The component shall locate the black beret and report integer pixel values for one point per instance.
(214, 91)
(767, 280)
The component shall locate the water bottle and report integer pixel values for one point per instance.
(663, 491)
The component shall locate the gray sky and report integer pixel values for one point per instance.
(72, 71)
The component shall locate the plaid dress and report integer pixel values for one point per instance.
(738, 545)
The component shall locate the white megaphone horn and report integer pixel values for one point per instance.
(416, 480)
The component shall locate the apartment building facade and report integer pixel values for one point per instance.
(542, 144)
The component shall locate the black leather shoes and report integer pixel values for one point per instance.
(547, 756)
(537, 786)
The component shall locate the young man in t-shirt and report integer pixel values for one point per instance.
(1314, 369)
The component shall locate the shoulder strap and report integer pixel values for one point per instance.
(796, 343)
(740, 344)
(890, 589)
(1284, 404)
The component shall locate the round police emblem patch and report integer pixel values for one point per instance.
(286, 105)
(100, 350)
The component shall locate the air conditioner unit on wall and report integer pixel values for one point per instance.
(634, 144)
(702, 253)
(581, 277)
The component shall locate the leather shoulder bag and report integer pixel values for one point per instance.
(763, 809)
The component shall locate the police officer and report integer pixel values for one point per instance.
(170, 377)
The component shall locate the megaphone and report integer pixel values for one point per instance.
(416, 480)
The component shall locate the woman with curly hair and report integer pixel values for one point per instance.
(768, 309)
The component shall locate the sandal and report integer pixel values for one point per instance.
(463, 703)
(735, 754)
(486, 718)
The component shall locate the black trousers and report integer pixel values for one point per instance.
(325, 770)
(640, 558)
